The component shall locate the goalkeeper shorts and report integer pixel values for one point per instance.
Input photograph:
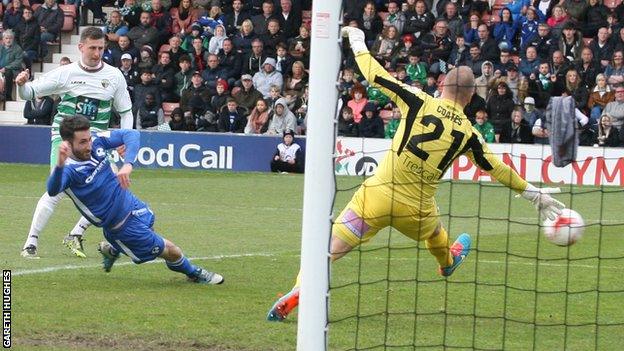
(371, 210)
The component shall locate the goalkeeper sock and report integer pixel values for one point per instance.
(439, 247)
(80, 227)
(183, 265)
(43, 212)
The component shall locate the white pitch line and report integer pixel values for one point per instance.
(352, 257)
(128, 263)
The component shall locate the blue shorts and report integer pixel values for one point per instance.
(136, 237)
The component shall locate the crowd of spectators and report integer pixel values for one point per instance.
(522, 53)
(242, 66)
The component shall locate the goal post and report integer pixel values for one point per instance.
(319, 176)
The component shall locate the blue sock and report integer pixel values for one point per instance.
(183, 265)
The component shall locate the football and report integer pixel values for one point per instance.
(566, 229)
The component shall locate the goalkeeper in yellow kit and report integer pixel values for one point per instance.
(433, 132)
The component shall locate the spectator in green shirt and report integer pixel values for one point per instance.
(393, 124)
(484, 127)
(416, 70)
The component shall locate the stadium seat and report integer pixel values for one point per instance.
(168, 108)
(69, 23)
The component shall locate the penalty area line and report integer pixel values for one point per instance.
(128, 263)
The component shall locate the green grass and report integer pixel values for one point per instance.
(516, 291)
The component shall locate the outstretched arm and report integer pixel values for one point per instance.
(44, 86)
(480, 155)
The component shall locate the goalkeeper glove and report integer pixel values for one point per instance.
(548, 206)
(356, 39)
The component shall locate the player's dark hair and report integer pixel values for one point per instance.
(93, 33)
(73, 124)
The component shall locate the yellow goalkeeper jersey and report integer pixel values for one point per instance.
(433, 132)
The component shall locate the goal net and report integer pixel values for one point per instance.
(515, 291)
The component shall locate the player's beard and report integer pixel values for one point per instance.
(84, 155)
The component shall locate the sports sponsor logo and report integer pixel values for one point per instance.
(185, 155)
(366, 166)
(594, 166)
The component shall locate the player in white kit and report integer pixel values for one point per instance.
(89, 88)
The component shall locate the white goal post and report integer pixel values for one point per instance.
(319, 176)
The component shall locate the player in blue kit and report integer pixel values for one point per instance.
(83, 172)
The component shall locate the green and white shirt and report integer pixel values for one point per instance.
(87, 93)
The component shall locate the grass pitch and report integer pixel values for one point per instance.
(515, 292)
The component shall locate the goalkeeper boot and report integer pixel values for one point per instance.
(283, 306)
(74, 244)
(108, 258)
(30, 251)
(460, 250)
(202, 276)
